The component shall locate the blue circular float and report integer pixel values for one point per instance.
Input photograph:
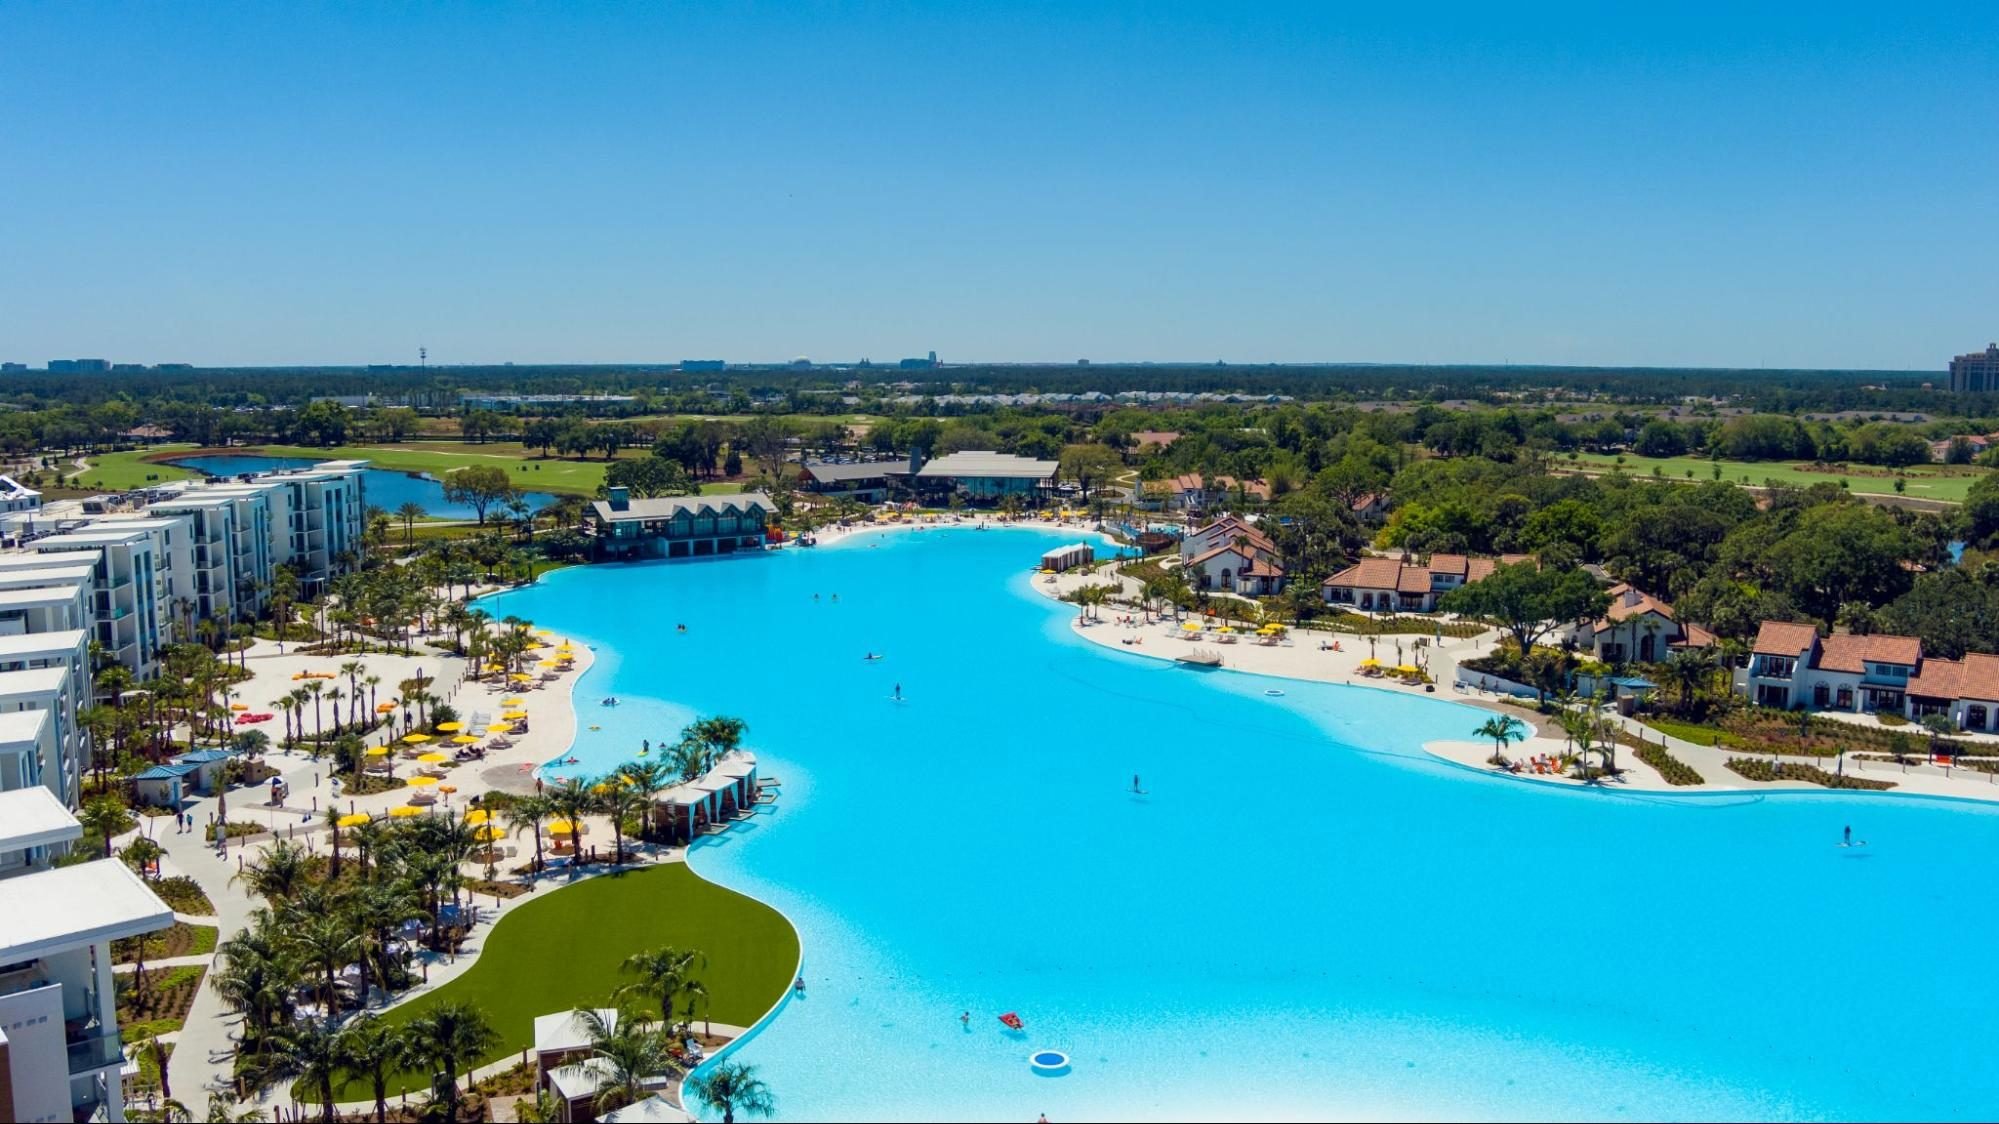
(1049, 1063)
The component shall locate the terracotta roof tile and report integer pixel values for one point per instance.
(1448, 563)
(1784, 638)
(1370, 573)
(1981, 677)
(1849, 653)
(1939, 679)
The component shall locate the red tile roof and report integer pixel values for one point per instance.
(1447, 564)
(1849, 653)
(1371, 573)
(1981, 677)
(1414, 579)
(1696, 637)
(1784, 638)
(1939, 679)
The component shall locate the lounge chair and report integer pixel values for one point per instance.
(694, 1051)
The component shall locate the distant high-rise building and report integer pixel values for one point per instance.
(703, 364)
(1978, 370)
(13, 367)
(78, 366)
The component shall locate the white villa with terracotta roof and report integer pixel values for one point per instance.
(1389, 585)
(1231, 554)
(1792, 666)
(1639, 627)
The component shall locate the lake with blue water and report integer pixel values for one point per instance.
(386, 489)
(1304, 916)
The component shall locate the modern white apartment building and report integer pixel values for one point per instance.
(61, 746)
(64, 746)
(27, 747)
(310, 520)
(61, 1057)
(326, 515)
(229, 549)
(133, 584)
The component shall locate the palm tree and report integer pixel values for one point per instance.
(734, 1087)
(104, 817)
(316, 689)
(663, 975)
(571, 801)
(330, 940)
(308, 1052)
(370, 1051)
(634, 1053)
(409, 513)
(647, 777)
(619, 799)
(1504, 730)
(256, 974)
(1689, 668)
(445, 1038)
(526, 813)
(279, 875)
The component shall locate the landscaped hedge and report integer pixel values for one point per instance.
(1670, 768)
(1757, 769)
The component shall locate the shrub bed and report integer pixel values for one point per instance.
(178, 939)
(1670, 768)
(184, 895)
(160, 1006)
(1757, 769)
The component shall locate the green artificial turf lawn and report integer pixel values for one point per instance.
(562, 951)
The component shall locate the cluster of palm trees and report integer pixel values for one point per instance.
(623, 796)
(135, 724)
(323, 919)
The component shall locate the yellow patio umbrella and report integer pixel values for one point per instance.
(511, 702)
(449, 727)
(385, 708)
(1407, 669)
(466, 739)
(498, 728)
(404, 811)
(447, 788)
(563, 827)
(421, 781)
(1370, 662)
(478, 816)
(520, 677)
(432, 758)
(489, 834)
(378, 751)
(544, 632)
(1225, 628)
(514, 715)
(548, 663)
(565, 646)
(416, 739)
(1190, 626)
(239, 706)
(355, 820)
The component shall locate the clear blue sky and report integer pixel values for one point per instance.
(1805, 185)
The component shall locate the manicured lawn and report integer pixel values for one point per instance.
(1686, 731)
(562, 951)
(118, 472)
(1926, 481)
(526, 466)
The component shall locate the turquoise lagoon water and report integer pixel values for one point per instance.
(1304, 918)
(387, 489)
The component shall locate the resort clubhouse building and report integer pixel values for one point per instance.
(679, 526)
